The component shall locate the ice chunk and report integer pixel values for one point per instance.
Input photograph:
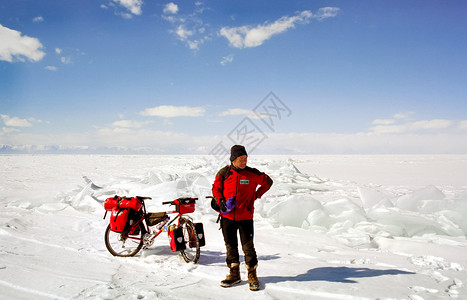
(293, 211)
(154, 178)
(457, 218)
(318, 219)
(412, 223)
(372, 197)
(412, 201)
(343, 209)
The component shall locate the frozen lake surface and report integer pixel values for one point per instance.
(331, 227)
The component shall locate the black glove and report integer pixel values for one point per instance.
(222, 205)
(228, 205)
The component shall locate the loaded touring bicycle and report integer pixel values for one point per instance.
(132, 228)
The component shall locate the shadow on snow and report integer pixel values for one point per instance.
(335, 274)
(209, 257)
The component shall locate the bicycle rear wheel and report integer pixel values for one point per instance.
(192, 250)
(118, 245)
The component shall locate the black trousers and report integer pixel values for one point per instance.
(246, 230)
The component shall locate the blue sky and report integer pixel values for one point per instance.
(189, 76)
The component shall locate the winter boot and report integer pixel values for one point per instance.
(253, 279)
(233, 277)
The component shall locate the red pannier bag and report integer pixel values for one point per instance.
(111, 203)
(122, 202)
(131, 203)
(185, 205)
(176, 239)
(118, 219)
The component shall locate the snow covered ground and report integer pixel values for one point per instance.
(331, 227)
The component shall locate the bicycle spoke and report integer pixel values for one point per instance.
(192, 250)
(122, 246)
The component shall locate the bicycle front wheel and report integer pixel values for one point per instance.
(192, 250)
(124, 246)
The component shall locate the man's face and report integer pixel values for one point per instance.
(240, 162)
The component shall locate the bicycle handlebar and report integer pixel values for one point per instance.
(173, 202)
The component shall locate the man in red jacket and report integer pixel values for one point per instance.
(235, 190)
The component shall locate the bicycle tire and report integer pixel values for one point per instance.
(127, 247)
(191, 252)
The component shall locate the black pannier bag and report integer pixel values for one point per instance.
(200, 233)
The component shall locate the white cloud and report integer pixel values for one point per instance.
(364, 143)
(170, 18)
(170, 8)
(126, 15)
(38, 19)
(276, 143)
(419, 137)
(385, 126)
(405, 115)
(183, 33)
(134, 6)
(66, 60)
(128, 124)
(194, 45)
(239, 112)
(51, 68)
(190, 28)
(395, 128)
(15, 121)
(227, 59)
(154, 140)
(463, 125)
(248, 36)
(382, 129)
(431, 124)
(383, 121)
(8, 130)
(68, 56)
(169, 111)
(326, 12)
(20, 47)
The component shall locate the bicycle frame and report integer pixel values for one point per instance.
(147, 227)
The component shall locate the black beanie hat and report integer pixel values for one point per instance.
(236, 151)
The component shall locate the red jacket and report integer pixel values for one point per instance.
(243, 185)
